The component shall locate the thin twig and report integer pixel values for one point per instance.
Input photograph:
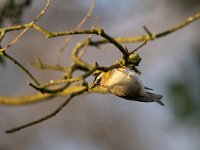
(181, 25)
(69, 38)
(147, 31)
(16, 39)
(99, 32)
(2, 34)
(50, 91)
(74, 54)
(88, 69)
(79, 50)
(40, 65)
(145, 42)
(94, 67)
(43, 11)
(21, 66)
(104, 41)
(48, 116)
(85, 46)
(147, 37)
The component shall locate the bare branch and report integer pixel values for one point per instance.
(153, 36)
(64, 86)
(21, 66)
(15, 40)
(69, 38)
(41, 97)
(52, 114)
(43, 11)
(179, 26)
(48, 116)
(145, 42)
(40, 65)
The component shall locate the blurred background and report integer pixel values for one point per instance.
(170, 65)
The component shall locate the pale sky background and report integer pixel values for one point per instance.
(101, 122)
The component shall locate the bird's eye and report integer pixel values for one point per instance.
(98, 81)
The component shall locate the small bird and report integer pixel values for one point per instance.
(125, 83)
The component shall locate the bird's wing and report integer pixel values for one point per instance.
(118, 90)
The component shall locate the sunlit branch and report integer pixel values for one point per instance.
(27, 27)
(82, 22)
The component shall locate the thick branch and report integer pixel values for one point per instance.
(56, 111)
(39, 97)
(147, 37)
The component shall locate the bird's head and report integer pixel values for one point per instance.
(101, 78)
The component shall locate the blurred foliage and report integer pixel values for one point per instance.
(185, 92)
(12, 10)
(186, 5)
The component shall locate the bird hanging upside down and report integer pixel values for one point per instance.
(125, 83)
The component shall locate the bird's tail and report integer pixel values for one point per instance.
(150, 97)
(156, 97)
